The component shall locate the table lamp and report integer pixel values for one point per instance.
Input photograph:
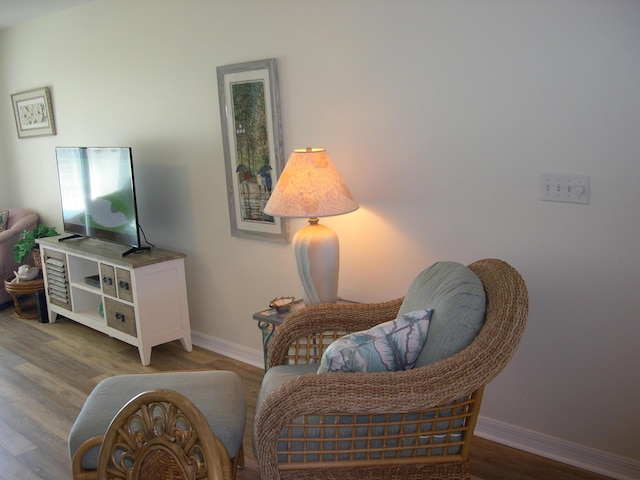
(310, 186)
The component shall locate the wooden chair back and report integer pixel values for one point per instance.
(159, 435)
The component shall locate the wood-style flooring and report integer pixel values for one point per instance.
(47, 371)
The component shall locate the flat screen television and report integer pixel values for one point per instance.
(98, 195)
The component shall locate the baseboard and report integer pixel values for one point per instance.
(597, 461)
(228, 349)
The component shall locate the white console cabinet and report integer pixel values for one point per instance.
(140, 299)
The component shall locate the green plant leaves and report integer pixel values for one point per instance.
(27, 241)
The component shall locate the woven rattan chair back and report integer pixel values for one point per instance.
(160, 435)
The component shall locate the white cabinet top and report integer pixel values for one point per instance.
(100, 250)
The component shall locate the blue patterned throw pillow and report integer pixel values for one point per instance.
(388, 347)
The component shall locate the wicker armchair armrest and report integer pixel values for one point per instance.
(337, 318)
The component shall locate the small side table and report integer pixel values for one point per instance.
(269, 320)
(17, 289)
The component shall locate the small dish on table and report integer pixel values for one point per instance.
(282, 304)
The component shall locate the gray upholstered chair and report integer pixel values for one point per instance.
(217, 394)
(407, 424)
(19, 219)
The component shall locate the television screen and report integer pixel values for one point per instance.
(98, 194)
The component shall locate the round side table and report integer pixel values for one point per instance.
(29, 287)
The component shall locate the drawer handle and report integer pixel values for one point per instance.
(107, 280)
(119, 316)
(123, 285)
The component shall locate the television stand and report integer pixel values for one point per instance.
(140, 300)
(136, 250)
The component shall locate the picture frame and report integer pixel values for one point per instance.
(33, 113)
(252, 142)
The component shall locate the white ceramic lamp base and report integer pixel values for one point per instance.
(316, 251)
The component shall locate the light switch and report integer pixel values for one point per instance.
(557, 187)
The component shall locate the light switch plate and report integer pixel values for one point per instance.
(558, 187)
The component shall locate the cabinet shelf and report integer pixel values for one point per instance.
(86, 287)
(92, 316)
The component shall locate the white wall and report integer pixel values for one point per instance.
(4, 191)
(440, 116)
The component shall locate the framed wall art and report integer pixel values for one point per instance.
(252, 142)
(33, 113)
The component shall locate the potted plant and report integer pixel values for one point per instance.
(27, 242)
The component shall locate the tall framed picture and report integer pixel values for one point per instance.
(252, 142)
(33, 113)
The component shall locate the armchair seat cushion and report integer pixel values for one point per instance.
(280, 374)
(457, 298)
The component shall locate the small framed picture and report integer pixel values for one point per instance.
(252, 142)
(33, 112)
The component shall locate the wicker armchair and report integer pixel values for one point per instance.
(410, 424)
(159, 435)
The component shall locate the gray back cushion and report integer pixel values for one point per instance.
(457, 297)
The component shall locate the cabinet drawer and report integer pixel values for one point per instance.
(125, 288)
(108, 280)
(120, 316)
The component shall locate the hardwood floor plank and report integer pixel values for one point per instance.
(15, 328)
(33, 396)
(44, 466)
(47, 371)
(8, 359)
(516, 465)
(12, 442)
(45, 412)
(37, 349)
(12, 468)
(49, 446)
(64, 391)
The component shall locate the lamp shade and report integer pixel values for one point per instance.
(310, 186)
